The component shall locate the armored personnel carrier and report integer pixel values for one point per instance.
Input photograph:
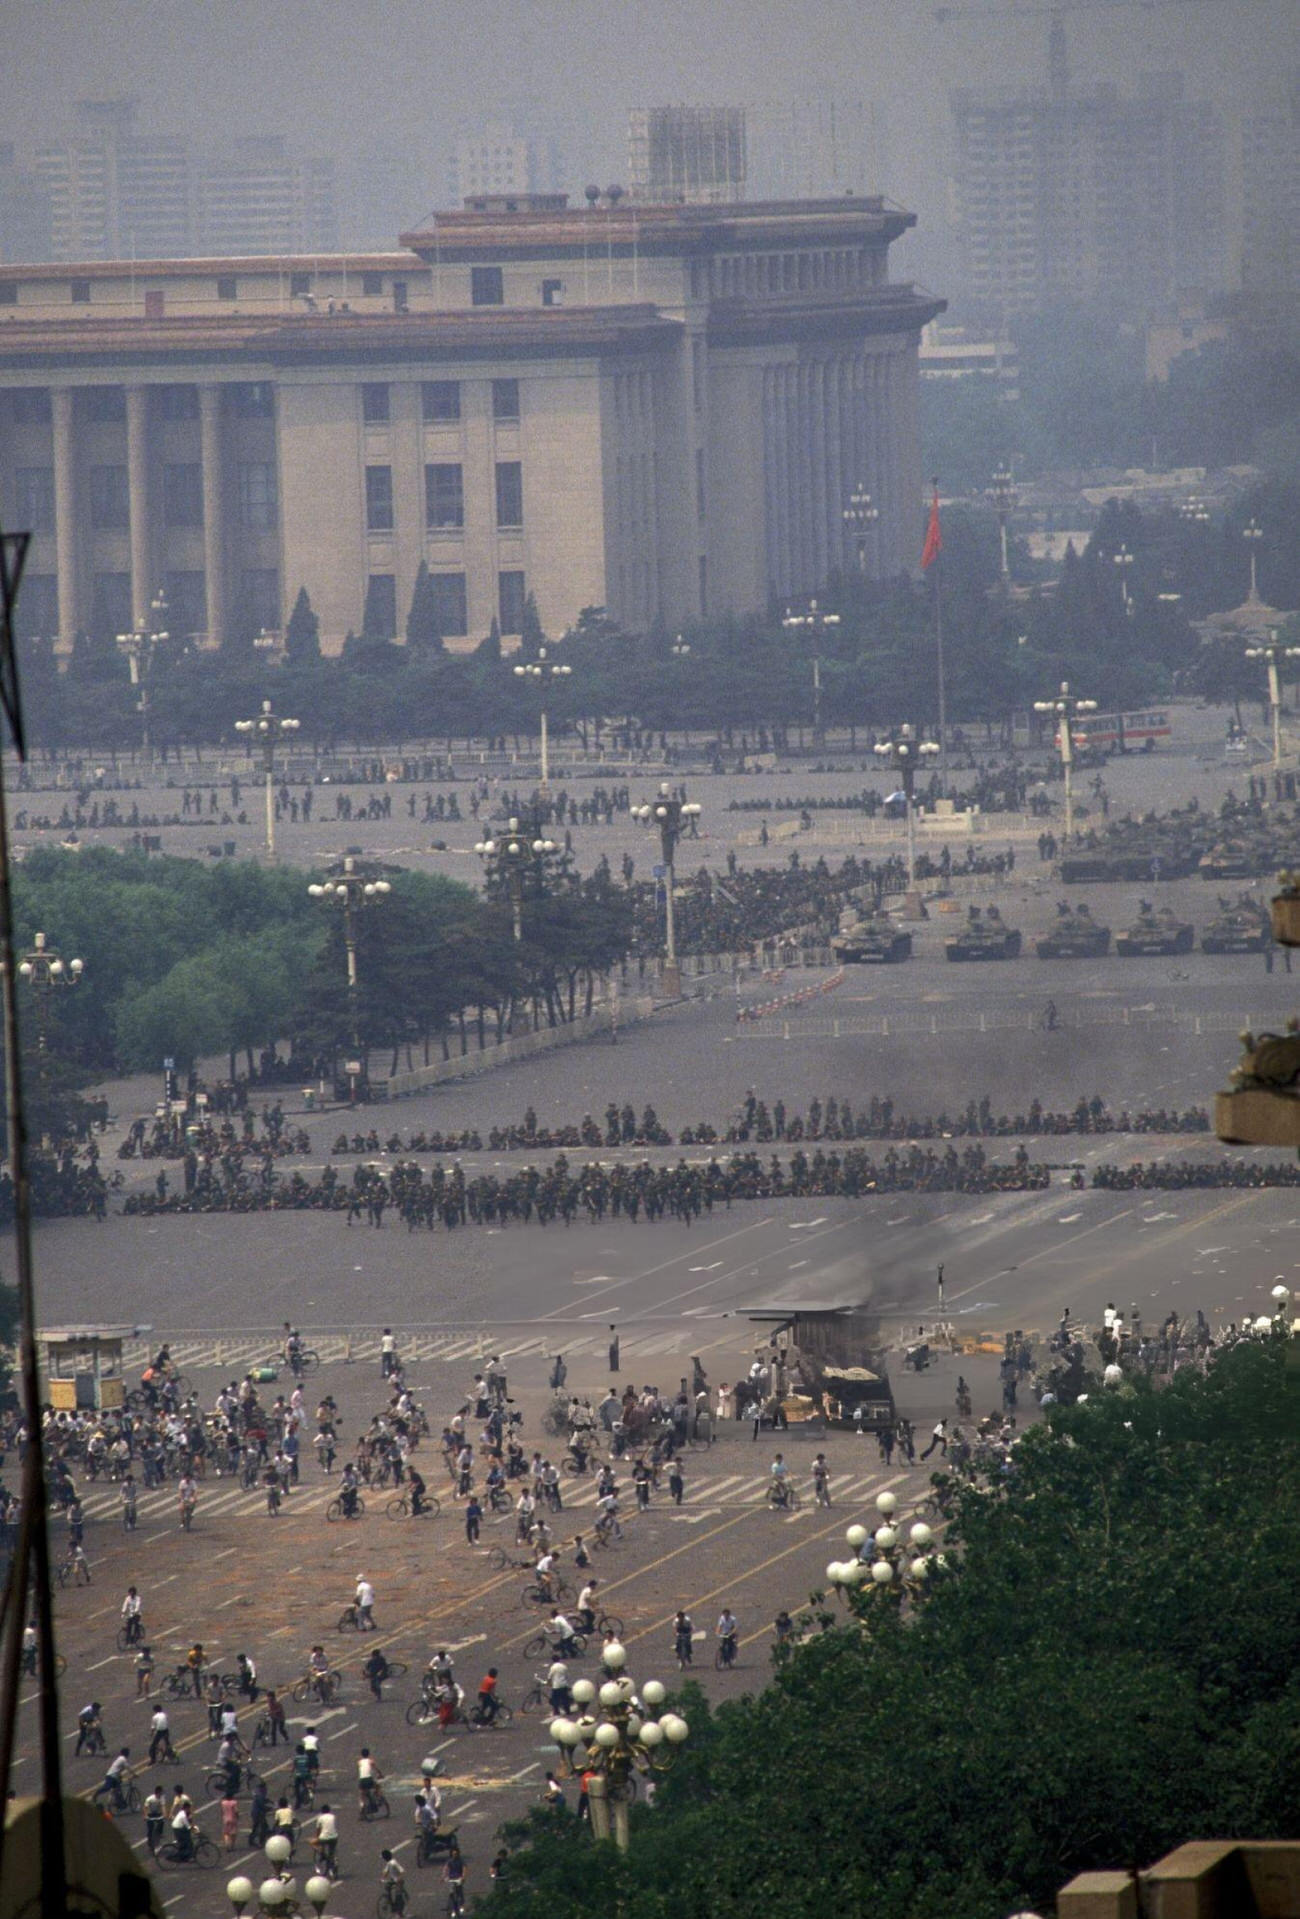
(1076, 935)
(1153, 933)
(872, 940)
(1240, 927)
(985, 936)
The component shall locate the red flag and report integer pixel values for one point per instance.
(933, 543)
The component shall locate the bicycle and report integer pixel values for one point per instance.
(129, 1635)
(216, 1781)
(187, 1514)
(422, 1711)
(538, 1696)
(400, 1507)
(318, 1686)
(540, 1644)
(335, 1510)
(502, 1561)
(126, 1796)
(485, 1721)
(557, 1593)
(374, 1805)
(606, 1533)
(392, 1902)
(203, 1853)
(783, 1497)
(455, 1901)
(177, 1685)
(308, 1361)
(94, 1743)
(725, 1656)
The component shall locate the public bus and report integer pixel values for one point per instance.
(1122, 732)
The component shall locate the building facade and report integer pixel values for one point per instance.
(661, 410)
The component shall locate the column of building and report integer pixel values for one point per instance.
(143, 585)
(214, 530)
(65, 514)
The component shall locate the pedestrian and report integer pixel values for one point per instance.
(676, 1482)
(160, 1738)
(259, 1827)
(473, 1519)
(559, 1373)
(230, 1822)
(276, 1723)
(939, 1439)
(144, 1672)
(613, 1349)
(155, 1815)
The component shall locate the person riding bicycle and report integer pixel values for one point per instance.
(229, 1763)
(187, 1495)
(31, 1646)
(90, 1731)
(133, 1616)
(544, 1572)
(369, 1780)
(392, 1881)
(115, 1778)
(587, 1606)
(377, 1670)
(780, 1477)
(486, 1708)
(325, 1842)
(318, 1672)
(349, 1491)
(247, 1680)
(364, 1600)
(127, 1494)
(821, 1478)
(415, 1480)
(561, 1636)
(683, 1637)
(727, 1630)
(607, 1525)
(293, 1353)
(183, 1830)
(428, 1812)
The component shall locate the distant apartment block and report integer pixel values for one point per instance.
(688, 156)
(1270, 191)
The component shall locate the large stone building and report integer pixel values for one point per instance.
(658, 409)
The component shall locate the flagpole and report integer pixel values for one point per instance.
(943, 700)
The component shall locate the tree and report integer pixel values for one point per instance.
(1066, 1694)
(302, 635)
(422, 632)
(531, 633)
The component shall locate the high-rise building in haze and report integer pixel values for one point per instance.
(688, 156)
(765, 150)
(25, 215)
(1084, 196)
(255, 198)
(1270, 191)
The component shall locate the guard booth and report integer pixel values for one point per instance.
(82, 1367)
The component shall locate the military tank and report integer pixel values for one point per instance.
(1153, 933)
(1076, 935)
(871, 939)
(985, 936)
(1238, 927)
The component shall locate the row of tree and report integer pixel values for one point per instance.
(184, 960)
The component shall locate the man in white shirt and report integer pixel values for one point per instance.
(365, 1603)
(325, 1843)
(160, 1737)
(557, 1678)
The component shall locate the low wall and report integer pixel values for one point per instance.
(519, 1046)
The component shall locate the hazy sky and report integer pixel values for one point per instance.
(349, 76)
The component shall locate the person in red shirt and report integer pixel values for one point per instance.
(487, 1697)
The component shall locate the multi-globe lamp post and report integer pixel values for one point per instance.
(352, 891)
(540, 673)
(44, 970)
(279, 1892)
(266, 731)
(672, 816)
(906, 753)
(1273, 652)
(880, 1558)
(510, 854)
(139, 645)
(817, 622)
(619, 1730)
(1004, 496)
(1066, 706)
(1252, 533)
(860, 516)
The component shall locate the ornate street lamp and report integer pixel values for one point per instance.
(540, 671)
(510, 855)
(860, 516)
(1194, 511)
(671, 815)
(818, 623)
(1004, 497)
(138, 645)
(351, 890)
(43, 970)
(1252, 533)
(1123, 559)
(905, 754)
(267, 730)
(680, 648)
(1066, 706)
(622, 1738)
(1273, 652)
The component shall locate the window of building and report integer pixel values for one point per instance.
(37, 615)
(187, 601)
(80, 292)
(227, 287)
(379, 499)
(174, 403)
(375, 404)
(444, 497)
(372, 285)
(34, 499)
(110, 603)
(8, 293)
(299, 284)
(379, 621)
(258, 496)
(510, 493)
(183, 494)
(552, 293)
(486, 287)
(249, 399)
(505, 399)
(511, 594)
(699, 481)
(440, 401)
(399, 296)
(259, 589)
(450, 604)
(31, 405)
(103, 405)
(109, 497)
